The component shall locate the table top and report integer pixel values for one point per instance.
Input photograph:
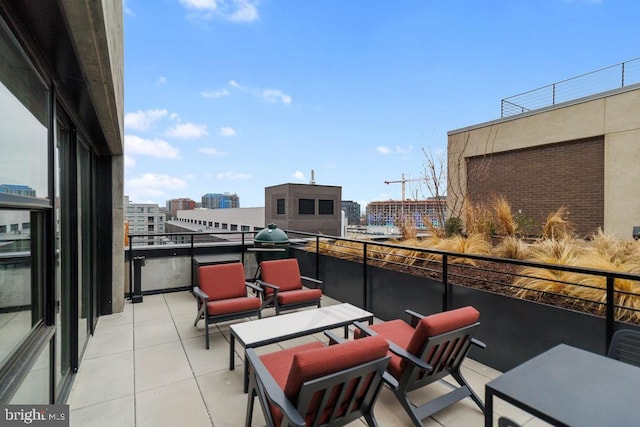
(574, 387)
(277, 328)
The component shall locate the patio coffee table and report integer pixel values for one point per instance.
(270, 330)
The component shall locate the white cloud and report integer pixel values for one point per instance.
(211, 151)
(246, 11)
(127, 10)
(275, 95)
(227, 131)
(129, 162)
(404, 150)
(299, 176)
(383, 150)
(231, 10)
(187, 131)
(215, 93)
(143, 120)
(233, 175)
(209, 5)
(162, 80)
(152, 186)
(149, 147)
(235, 84)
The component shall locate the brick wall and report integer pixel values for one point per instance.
(539, 180)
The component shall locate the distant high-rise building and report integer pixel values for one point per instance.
(183, 204)
(18, 190)
(352, 211)
(220, 201)
(144, 218)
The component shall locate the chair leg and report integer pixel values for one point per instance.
(408, 407)
(206, 330)
(371, 419)
(250, 401)
(463, 383)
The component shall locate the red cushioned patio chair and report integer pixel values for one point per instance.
(318, 385)
(222, 295)
(282, 285)
(425, 351)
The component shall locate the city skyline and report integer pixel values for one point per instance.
(236, 96)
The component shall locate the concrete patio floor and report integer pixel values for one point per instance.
(148, 366)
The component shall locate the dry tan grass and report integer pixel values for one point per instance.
(512, 247)
(557, 225)
(585, 291)
(477, 220)
(504, 220)
(475, 244)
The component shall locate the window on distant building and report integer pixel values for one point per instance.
(306, 206)
(245, 228)
(234, 227)
(280, 207)
(225, 226)
(325, 207)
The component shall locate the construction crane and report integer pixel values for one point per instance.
(403, 181)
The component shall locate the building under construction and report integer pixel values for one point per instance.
(394, 212)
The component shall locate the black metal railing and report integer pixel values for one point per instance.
(496, 274)
(608, 78)
(448, 268)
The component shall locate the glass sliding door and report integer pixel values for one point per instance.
(85, 242)
(65, 262)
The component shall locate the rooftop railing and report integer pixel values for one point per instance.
(608, 78)
(386, 278)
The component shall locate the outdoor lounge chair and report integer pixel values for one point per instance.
(425, 351)
(282, 285)
(625, 346)
(318, 385)
(222, 295)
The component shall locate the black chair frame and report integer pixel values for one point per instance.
(263, 385)
(441, 356)
(203, 314)
(272, 300)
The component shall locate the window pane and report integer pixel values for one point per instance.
(280, 207)
(325, 207)
(25, 117)
(35, 388)
(18, 304)
(306, 207)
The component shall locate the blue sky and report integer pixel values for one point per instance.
(236, 95)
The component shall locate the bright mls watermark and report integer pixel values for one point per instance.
(36, 415)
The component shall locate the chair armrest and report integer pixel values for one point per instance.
(396, 349)
(254, 287)
(365, 328)
(199, 293)
(333, 338)
(415, 317)
(272, 389)
(478, 343)
(267, 285)
(317, 282)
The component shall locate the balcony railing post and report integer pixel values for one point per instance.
(191, 251)
(138, 263)
(365, 294)
(445, 284)
(622, 74)
(317, 257)
(554, 94)
(610, 310)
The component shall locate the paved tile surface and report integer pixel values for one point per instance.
(148, 366)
